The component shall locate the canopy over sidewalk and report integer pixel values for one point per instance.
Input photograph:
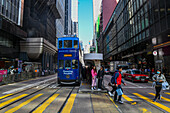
(93, 56)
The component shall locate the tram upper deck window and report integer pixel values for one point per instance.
(75, 44)
(67, 64)
(60, 44)
(67, 43)
(61, 64)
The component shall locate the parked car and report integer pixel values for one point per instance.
(107, 71)
(136, 75)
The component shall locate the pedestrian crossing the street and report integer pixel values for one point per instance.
(161, 97)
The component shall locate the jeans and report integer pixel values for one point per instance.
(120, 96)
(158, 90)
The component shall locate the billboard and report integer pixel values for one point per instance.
(108, 8)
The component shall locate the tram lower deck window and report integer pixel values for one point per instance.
(74, 64)
(67, 64)
(61, 64)
(60, 44)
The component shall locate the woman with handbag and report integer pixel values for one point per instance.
(158, 79)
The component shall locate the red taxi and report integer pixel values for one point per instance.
(136, 75)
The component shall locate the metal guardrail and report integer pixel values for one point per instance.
(11, 78)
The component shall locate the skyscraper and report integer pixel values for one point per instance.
(11, 33)
(68, 23)
(60, 22)
(74, 16)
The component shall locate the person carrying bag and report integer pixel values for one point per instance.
(159, 79)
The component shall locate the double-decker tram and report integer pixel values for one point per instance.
(68, 60)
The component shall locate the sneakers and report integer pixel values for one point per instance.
(154, 100)
(99, 89)
(120, 102)
(160, 97)
(110, 94)
(92, 88)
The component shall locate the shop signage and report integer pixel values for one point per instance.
(3, 72)
(155, 53)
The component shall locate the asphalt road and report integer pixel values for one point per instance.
(45, 95)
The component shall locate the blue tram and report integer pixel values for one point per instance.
(68, 60)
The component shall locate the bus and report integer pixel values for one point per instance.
(68, 60)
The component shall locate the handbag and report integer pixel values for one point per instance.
(165, 86)
(119, 91)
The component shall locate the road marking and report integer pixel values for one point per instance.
(23, 104)
(69, 105)
(114, 103)
(167, 93)
(27, 87)
(5, 96)
(154, 103)
(144, 110)
(12, 100)
(46, 104)
(127, 98)
(134, 103)
(133, 84)
(161, 97)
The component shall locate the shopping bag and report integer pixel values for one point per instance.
(119, 91)
(165, 86)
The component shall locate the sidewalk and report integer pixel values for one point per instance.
(86, 88)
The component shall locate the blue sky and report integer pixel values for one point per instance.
(85, 20)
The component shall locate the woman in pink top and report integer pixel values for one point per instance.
(94, 74)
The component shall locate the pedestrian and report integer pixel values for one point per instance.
(112, 84)
(100, 76)
(94, 74)
(118, 81)
(159, 78)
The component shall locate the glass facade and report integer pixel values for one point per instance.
(134, 21)
(12, 10)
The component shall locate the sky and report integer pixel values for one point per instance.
(85, 17)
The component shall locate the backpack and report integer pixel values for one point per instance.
(113, 78)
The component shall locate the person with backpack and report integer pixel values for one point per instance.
(158, 78)
(117, 81)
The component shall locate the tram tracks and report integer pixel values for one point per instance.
(45, 98)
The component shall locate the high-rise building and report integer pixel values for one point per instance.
(40, 25)
(96, 10)
(138, 32)
(60, 22)
(68, 22)
(96, 14)
(74, 16)
(11, 33)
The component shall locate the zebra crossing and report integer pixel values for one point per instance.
(132, 98)
(158, 104)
